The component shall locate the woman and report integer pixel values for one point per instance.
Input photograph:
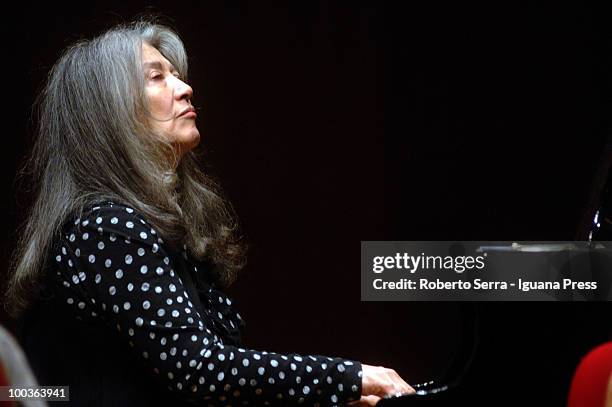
(127, 244)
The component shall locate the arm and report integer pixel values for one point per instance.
(114, 266)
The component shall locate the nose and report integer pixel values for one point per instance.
(182, 90)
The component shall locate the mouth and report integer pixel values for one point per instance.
(189, 112)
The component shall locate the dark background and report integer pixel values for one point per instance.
(330, 123)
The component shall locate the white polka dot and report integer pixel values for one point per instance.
(141, 251)
(144, 269)
(245, 362)
(92, 258)
(274, 363)
(334, 398)
(340, 367)
(128, 259)
(146, 305)
(175, 313)
(129, 210)
(159, 271)
(70, 301)
(58, 258)
(158, 289)
(127, 306)
(108, 263)
(139, 321)
(129, 225)
(155, 248)
(308, 368)
(306, 390)
(281, 375)
(145, 286)
(161, 312)
(220, 376)
(114, 220)
(261, 371)
(112, 290)
(85, 236)
(98, 220)
(163, 356)
(143, 235)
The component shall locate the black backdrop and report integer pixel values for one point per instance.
(331, 123)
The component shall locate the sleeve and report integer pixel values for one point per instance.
(114, 266)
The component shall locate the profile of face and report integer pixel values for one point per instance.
(169, 101)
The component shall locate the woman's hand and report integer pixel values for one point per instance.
(378, 382)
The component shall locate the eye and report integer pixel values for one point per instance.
(156, 75)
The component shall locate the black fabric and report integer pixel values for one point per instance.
(125, 321)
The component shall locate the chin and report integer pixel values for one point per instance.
(191, 141)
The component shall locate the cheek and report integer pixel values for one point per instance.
(159, 103)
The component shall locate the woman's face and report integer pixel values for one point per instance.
(169, 101)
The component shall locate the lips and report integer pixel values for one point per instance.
(188, 111)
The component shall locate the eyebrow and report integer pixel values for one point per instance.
(156, 65)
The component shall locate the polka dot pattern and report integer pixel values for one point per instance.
(115, 269)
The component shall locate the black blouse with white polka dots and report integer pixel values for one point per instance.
(112, 270)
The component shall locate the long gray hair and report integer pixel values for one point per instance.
(94, 142)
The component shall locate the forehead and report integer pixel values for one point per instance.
(152, 58)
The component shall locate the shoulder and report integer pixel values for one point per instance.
(111, 218)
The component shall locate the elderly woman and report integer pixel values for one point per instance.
(120, 265)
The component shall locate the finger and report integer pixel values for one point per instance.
(401, 384)
(369, 400)
(365, 401)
